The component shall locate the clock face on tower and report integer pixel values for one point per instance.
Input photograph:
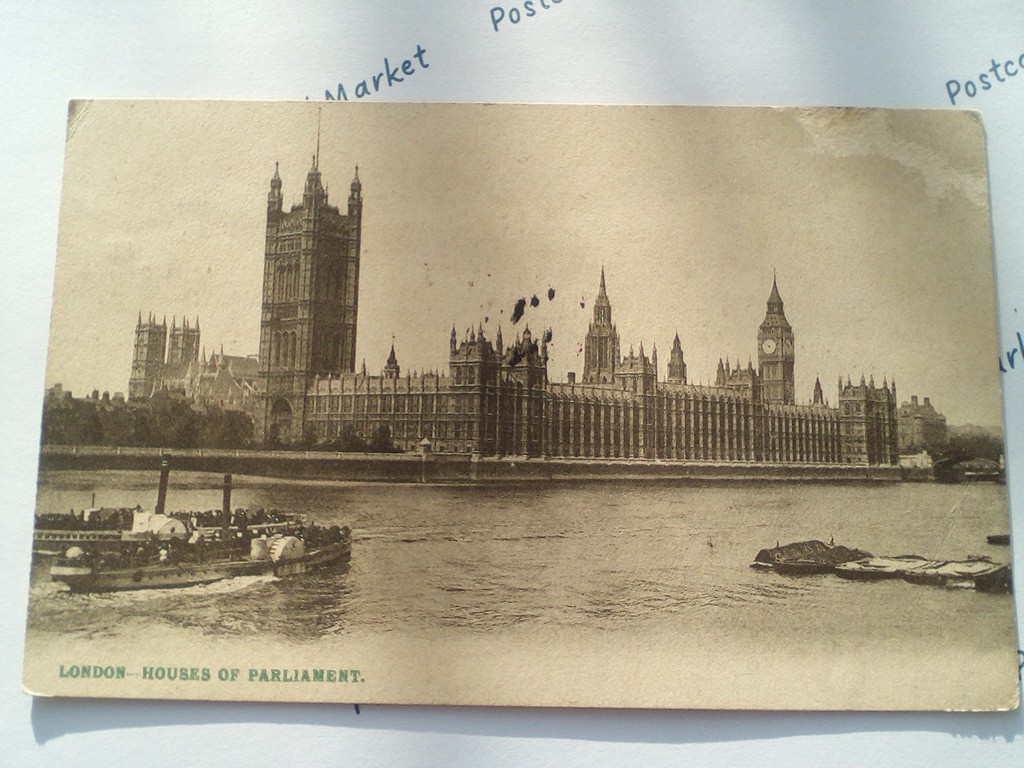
(768, 346)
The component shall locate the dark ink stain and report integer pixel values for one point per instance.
(517, 313)
(551, 294)
(547, 336)
(534, 301)
(486, 318)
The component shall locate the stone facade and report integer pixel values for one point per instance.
(921, 427)
(497, 400)
(867, 416)
(310, 301)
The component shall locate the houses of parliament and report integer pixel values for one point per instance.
(495, 398)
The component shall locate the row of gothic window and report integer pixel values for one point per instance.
(401, 404)
(330, 287)
(287, 285)
(286, 282)
(327, 351)
(284, 349)
(440, 430)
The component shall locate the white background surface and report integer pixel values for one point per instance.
(730, 53)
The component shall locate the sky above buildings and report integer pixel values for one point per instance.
(875, 222)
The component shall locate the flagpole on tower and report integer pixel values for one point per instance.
(316, 159)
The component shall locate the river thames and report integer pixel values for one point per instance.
(534, 593)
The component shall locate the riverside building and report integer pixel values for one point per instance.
(497, 400)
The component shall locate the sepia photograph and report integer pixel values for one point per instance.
(523, 405)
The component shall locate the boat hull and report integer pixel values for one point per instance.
(879, 568)
(56, 542)
(979, 573)
(863, 574)
(803, 568)
(806, 558)
(85, 579)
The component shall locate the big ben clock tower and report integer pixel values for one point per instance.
(775, 353)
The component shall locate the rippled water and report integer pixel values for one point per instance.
(641, 559)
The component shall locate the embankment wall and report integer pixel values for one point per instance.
(447, 468)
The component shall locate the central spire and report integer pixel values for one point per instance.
(775, 299)
(602, 306)
(601, 349)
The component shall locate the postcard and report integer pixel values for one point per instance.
(597, 406)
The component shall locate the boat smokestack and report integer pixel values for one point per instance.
(227, 493)
(161, 494)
